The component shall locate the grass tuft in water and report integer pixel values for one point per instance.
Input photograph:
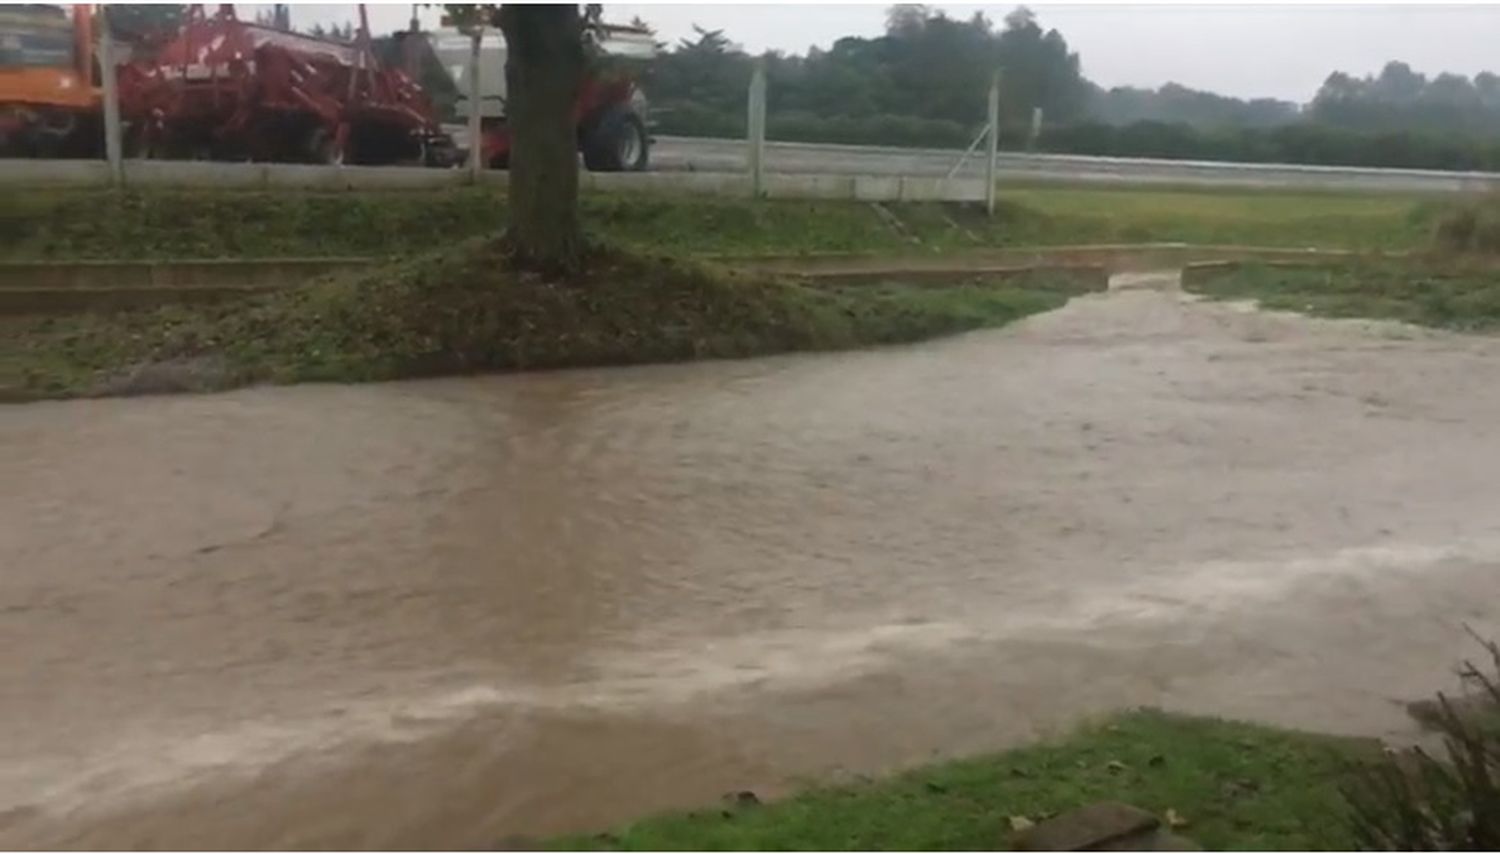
(1462, 300)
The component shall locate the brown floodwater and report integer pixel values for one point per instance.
(447, 613)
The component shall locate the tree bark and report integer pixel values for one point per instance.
(543, 71)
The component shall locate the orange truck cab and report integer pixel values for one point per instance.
(49, 103)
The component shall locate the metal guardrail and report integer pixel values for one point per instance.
(1009, 159)
(793, 170)
(687, 153)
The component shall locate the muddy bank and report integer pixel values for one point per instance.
(442, 613)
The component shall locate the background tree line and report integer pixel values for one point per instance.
(922, 83)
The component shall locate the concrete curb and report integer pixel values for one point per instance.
(1121, 257)
(1089, 277)
(1201, 271)
(169, 273)
(172, 173)
(48, 287)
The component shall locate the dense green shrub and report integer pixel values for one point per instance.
(1470, 227)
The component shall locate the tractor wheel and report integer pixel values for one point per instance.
(137, 143)
(616, 142)
(441, 154)
(323, 148)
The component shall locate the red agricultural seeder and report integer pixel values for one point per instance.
(226, 89)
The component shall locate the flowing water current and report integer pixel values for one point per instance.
(453, 612)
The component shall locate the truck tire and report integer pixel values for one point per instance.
(322, 147)
(616, 142)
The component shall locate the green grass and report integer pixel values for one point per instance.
(1463, 300)
(72, 224)
(1238, 786)
(461, 310)
(75, 224)
(1251, 217)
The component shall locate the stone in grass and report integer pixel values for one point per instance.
(1102, 826)
(743, 798)
(735, 801)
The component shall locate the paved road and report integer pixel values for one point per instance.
(720, 155)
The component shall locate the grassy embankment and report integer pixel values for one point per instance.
(1466, 301)
(1455, 285)
(57, 224)
(442, 306)
(1237, 786)
(460, 311)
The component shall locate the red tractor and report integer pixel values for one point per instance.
(610, 112)
(227, 89)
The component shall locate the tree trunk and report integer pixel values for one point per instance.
(543, 70)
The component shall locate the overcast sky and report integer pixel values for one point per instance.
(1246, 51)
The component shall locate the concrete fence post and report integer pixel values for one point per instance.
(1036, 129)
(113, 150)
(993, 147)
(756, 130)
(476, 140)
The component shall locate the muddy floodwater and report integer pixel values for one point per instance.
(448, 613)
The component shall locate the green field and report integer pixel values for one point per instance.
(1237, 786)
(74, 224)
(1247, 217)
